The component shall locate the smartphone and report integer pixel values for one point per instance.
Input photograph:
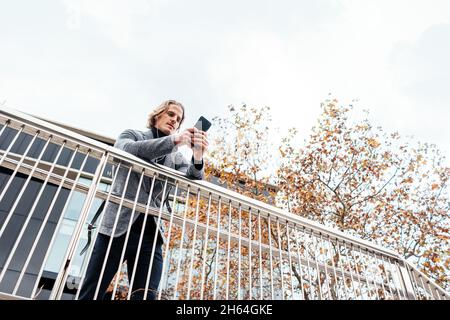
(202, 124)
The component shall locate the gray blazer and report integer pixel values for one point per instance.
(148, 148)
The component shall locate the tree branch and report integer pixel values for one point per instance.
(377, 193)
(345, 173)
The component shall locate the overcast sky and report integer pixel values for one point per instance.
(102, 65)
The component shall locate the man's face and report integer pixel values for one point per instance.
(169, 121)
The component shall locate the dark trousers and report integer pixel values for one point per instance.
(98, 255)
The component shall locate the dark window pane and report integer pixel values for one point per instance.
(7, 137)
(29, 237)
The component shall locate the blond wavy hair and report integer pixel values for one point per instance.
(151, 119)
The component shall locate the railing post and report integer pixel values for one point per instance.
(58, 288)
(406, 282)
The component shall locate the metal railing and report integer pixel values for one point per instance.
(219, 244)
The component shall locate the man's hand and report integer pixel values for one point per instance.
(199, 143)
(184, 138)
(194, 139)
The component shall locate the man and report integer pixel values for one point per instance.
(158, 145)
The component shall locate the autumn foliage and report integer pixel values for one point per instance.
(348, 175)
